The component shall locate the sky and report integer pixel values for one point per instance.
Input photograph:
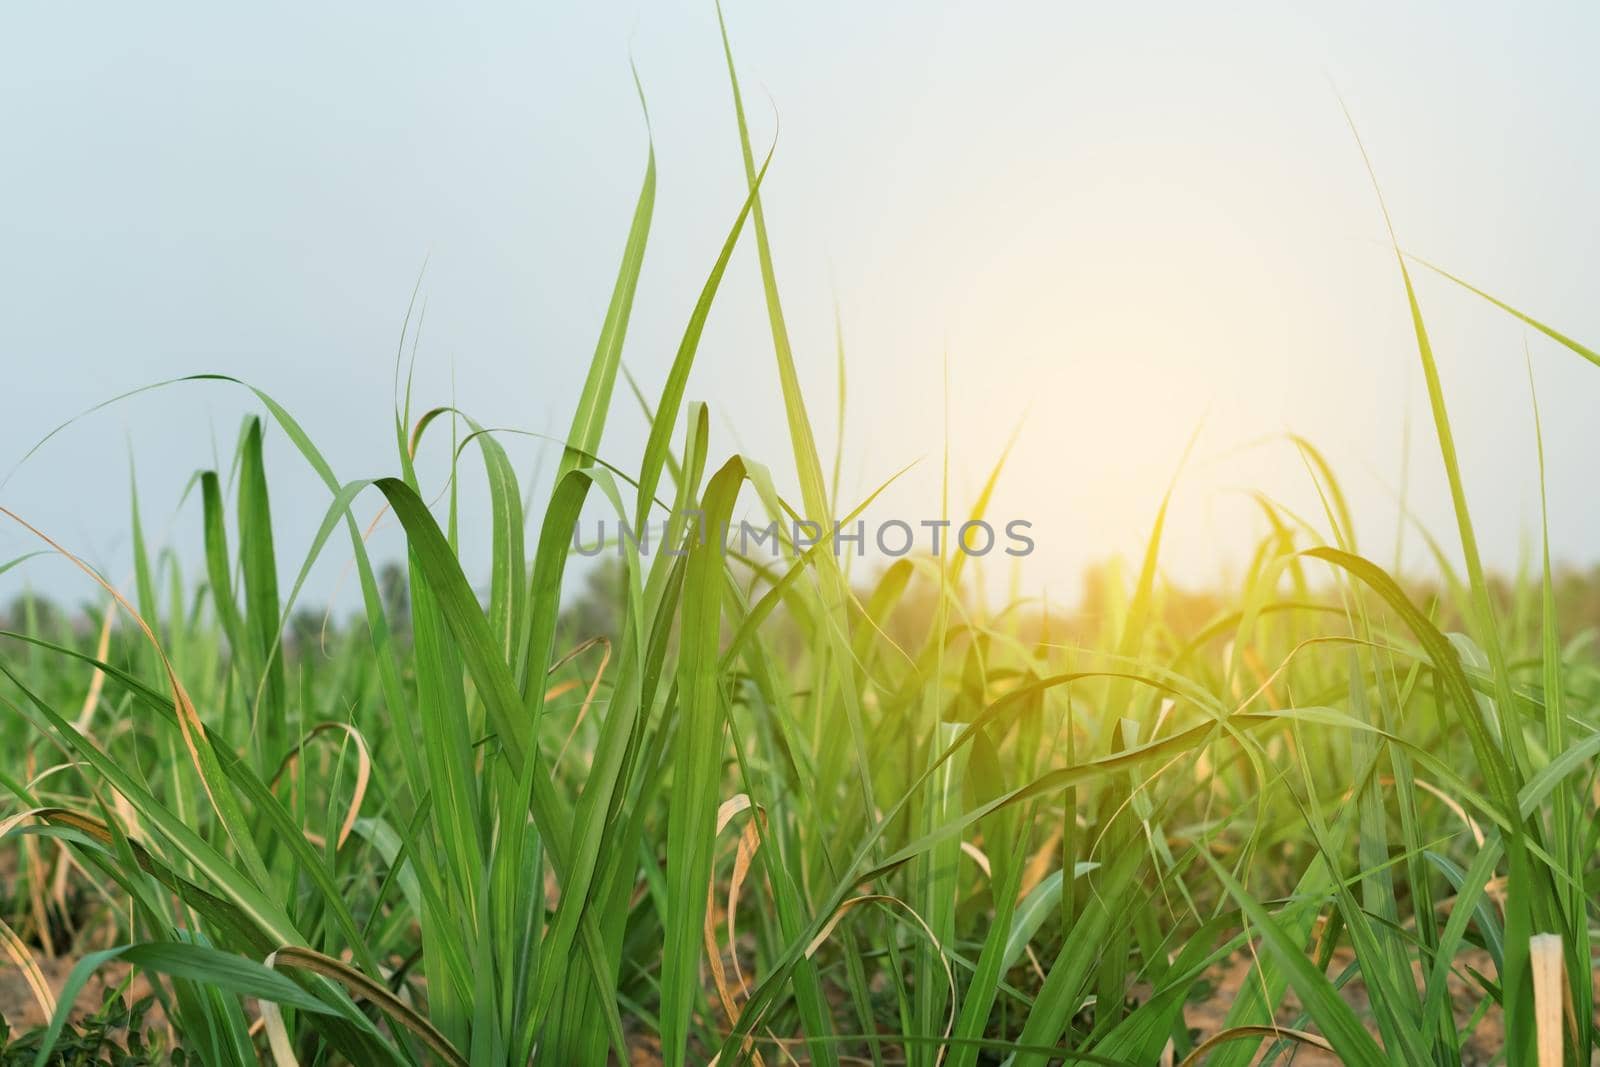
(1105, 229)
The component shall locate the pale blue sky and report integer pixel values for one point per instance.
(1115, 219)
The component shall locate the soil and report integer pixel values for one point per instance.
(22, 1012)
(1207, 1017)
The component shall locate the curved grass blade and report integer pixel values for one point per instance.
(1333, 1016)
(1555, 335)
(588, 421)
(666, 414)
(198, 963)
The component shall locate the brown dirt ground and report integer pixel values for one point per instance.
(22, 1012)
(1487, 1036)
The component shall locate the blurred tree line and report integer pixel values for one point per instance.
(595, 608)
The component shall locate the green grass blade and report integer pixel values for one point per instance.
(588, 421)
(666, 413)
(1333, 1016)
(1555, 335)
(259, 572)
(692, 826)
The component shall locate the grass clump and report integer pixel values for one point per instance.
(770, 812)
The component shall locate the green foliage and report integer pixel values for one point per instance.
(715, 805)
(114, 1035)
